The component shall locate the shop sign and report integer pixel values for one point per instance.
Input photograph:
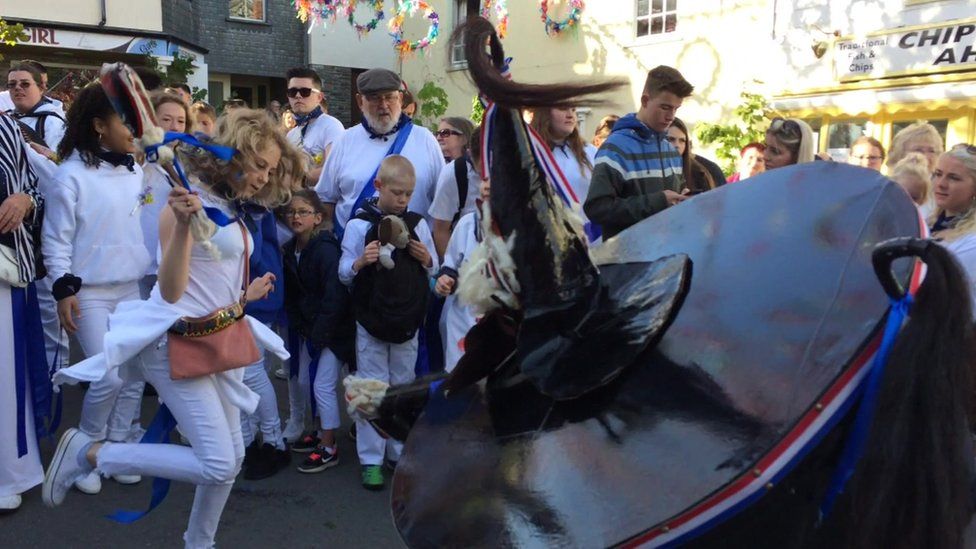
(908, 51)
(79, 40)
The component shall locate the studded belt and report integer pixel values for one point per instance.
(213, 323)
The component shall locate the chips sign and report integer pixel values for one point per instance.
(908, 51)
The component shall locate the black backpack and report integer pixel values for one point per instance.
(461, 175)
(32, 134)
(391, 304)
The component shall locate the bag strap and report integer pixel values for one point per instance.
(461, 175)
(368, 188)
(247, 262)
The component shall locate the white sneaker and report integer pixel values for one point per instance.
(293, 431)
(280, 373)
(127, 479)
(64, 469)
(9, 504)
(90, 484)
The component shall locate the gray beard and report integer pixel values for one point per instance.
(379, 127)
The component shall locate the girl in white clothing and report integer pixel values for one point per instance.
(954, 220)
(194, 281)
(458, 317)
(92, 242)
(559, 128)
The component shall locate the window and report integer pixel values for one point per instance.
(656, 17)
(250, 10)
(942, 125)
(462, 10)
(841, 134)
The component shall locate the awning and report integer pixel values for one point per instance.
(868, 102)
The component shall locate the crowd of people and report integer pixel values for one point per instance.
(346, 242)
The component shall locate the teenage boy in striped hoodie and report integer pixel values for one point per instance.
(637, 172)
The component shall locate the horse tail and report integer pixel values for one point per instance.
(913, 486)
(486, 72)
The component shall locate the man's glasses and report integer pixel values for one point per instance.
(299, 213)
(447, 133)
(23, 84)
(388, 98)
(304, 92)
(785, 127)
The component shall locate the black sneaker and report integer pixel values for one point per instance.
(264, 464)
(308, 443)
(250, 454)
(319, 460)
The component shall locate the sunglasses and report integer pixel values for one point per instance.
(447, 133)
(970, 149)
(785, 127)
(23, 84)
(304, 92)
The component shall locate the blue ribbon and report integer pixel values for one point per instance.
(858, 437)
(219, 151)
(368, 188)
(19, 309)
(159, 431)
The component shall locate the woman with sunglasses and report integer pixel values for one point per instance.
(199, 290)
(788, 141)
(453, 134)
(42, 119)
(954, 220)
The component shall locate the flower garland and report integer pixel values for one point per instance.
(317, 10)
(572, 19)
(363, 30)
(501, 10)
(400, 44)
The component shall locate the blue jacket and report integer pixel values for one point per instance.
(265, 258)
(633, 168)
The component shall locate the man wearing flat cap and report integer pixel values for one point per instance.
(347, 179)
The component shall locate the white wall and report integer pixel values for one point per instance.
(128, 14)
(337, 44)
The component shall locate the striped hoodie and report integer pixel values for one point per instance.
(633, 168)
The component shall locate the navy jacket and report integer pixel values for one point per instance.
(318, 304)
(266, 258)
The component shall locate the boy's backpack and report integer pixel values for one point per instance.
(391, 304)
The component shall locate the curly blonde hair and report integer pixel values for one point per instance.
(965, 224)
(918, 130)
(916, 166)
(249, 132)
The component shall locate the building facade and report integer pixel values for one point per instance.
(76, 37)
(251, 44)
(849, 67)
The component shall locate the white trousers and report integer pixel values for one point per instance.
(324, 386)
(96, 303)
(55, 339)
(213, 458)
(17, 475)
(298, 393)
(390, 362)
(266, 418)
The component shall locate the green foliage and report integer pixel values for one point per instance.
(748, 126)
(10, 35)
(176, 72)
(199, 94)
(477, 111)
(432, 100)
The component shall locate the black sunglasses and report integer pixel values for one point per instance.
(23, 84)
(304, 92)
(447, 133)
(785, 126)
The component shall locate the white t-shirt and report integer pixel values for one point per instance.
(445, 203)
(964, 249)
(355, 157)
(578, 177)
(323, 130)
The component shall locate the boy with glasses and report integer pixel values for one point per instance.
(314, 128)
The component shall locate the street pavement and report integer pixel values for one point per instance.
(328, 509)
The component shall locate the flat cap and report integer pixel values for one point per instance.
(378, 80)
